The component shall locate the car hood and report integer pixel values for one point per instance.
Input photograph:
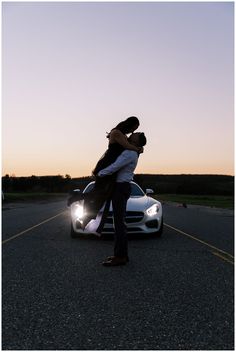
(140, 203)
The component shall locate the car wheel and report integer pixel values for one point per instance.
(160, 231)
(73, 234)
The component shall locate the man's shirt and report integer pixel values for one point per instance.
(125, 163)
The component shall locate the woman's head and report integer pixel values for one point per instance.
(129, 125)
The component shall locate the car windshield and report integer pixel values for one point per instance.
(136, 191)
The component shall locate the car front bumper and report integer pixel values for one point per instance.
(136, 223)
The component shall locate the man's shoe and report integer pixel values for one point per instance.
(115, 261)
(112, 257)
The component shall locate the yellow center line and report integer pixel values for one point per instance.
(31, 228)
(223, 257)
(203, 242)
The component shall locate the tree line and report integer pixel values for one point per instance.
(177, 184)
(187, 184)
(51, 184)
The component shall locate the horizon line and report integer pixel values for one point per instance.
(151, 174)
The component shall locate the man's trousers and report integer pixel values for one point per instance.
(120, 197)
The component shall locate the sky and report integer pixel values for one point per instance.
(71, 71)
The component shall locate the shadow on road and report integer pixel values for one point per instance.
(106, 237)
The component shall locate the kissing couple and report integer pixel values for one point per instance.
(113, 175)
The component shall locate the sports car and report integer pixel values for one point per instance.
(143, 214)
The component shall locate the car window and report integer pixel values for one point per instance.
(89, 188)
(136, 191)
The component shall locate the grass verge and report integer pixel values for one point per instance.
(22, 197)
(226, 202)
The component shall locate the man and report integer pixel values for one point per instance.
(124, 165)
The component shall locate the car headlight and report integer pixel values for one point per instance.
(78, 211)
(153, 210)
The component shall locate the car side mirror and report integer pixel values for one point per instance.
(149, 191)
(74, 192)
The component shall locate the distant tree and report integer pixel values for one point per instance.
(6, 183)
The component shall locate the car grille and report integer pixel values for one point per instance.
(129, 229)
(130, 217)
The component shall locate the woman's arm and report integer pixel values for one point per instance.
(118, 137)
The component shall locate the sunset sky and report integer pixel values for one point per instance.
(72, 71)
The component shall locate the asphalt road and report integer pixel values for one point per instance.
(176, 293)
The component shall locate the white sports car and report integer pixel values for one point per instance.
(143, 214)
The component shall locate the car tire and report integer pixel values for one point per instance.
(160, 231)
(73, 234)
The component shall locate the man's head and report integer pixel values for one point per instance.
(138, 139)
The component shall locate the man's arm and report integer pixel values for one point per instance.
(125, 158)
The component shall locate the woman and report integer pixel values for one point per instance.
(103, 187)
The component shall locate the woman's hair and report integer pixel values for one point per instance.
(126, 125)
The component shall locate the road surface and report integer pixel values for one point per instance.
(176, 292)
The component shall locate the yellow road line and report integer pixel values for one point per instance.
(31, 228)
(203, 242)
(223, 257)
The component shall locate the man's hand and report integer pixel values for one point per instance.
(140, 150)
